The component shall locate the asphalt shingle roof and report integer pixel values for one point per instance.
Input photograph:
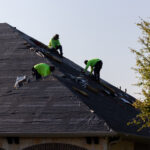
(52, 105)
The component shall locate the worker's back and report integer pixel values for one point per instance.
(53, 43)
(43, 69)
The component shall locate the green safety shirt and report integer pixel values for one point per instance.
(53, 43)
(43, 69)
(91, 63)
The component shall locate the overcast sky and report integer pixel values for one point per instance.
(104, 29)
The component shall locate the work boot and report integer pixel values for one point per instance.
(61, 54)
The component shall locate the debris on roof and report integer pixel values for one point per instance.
(124, 100)
(20, 81)
(80, 91)
(92, 89)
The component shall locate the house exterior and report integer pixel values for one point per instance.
(60, 112)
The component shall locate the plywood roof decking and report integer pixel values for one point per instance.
(52, 105)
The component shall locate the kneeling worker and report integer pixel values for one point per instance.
(42, 70)
(54, 44)
(96, 66)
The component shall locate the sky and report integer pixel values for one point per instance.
(88, 29)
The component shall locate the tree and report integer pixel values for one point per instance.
(143, 71)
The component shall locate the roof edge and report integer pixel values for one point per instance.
(77, 134)
(59, 134)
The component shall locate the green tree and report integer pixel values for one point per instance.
(143, 70)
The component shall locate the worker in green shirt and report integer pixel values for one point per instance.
(54, 44)
(42, 70)
(96, 66)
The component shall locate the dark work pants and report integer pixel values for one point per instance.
(97, 68)
(58, 48)
(36, 74)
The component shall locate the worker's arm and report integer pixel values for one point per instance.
(86, 68)
(58, 43)
(49, 45)
(91, 70)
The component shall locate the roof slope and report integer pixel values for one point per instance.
(54, 105)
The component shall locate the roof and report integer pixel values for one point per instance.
(57, 104)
